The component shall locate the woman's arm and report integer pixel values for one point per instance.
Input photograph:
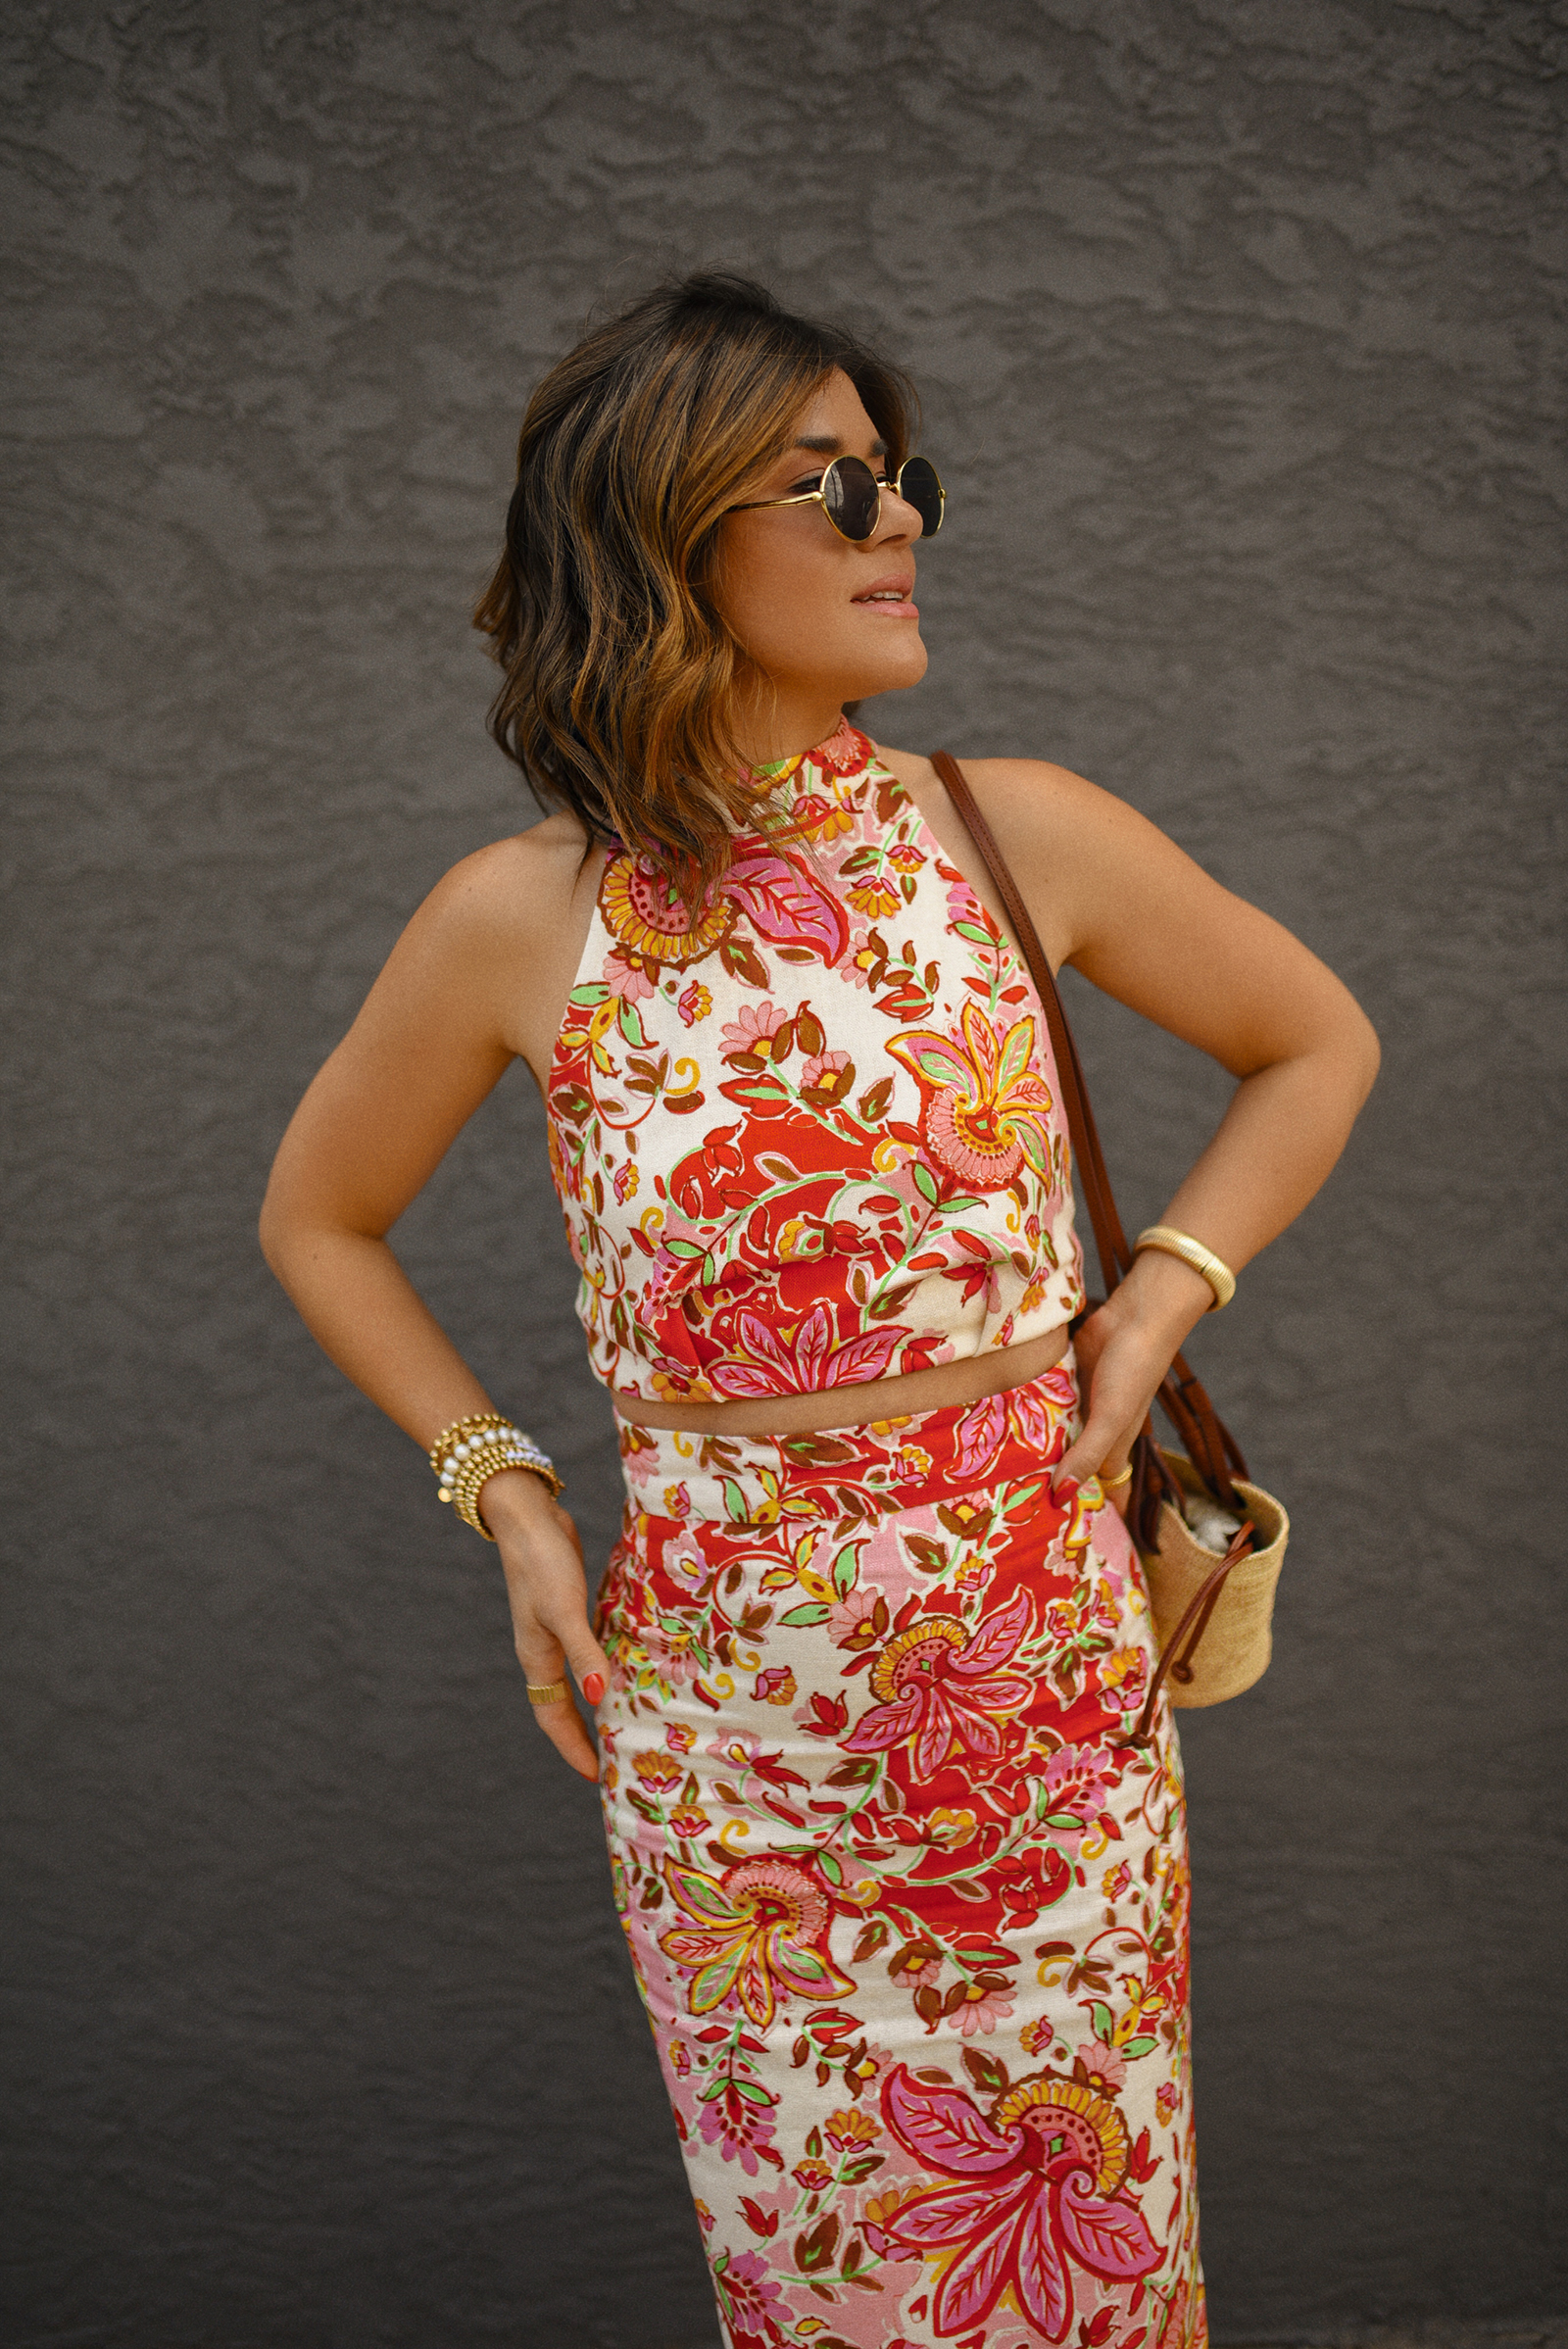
(480, 977)
(1123, 904)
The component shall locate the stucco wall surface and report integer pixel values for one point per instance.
(1241, 331)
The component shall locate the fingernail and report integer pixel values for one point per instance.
(593, 1686)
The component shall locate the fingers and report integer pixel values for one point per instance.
(553, 1635)
(563, 1725)
(1097, 1450)
(1105, 1446)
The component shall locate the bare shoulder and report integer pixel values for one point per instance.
(1030, 790)
(1067, 842)
(519, 888)
(1040, 802)
(496, 945)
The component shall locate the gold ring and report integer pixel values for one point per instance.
(557, 1692)
(1114, 1484)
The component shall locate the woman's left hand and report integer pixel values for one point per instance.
(1123, 1351)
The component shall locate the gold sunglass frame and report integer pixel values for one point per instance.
(819, 497)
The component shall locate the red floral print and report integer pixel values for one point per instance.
(908, 1912)
(824, 1102)
(941, 1687)
(907, 1909)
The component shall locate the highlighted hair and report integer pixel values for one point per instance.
(620, 677)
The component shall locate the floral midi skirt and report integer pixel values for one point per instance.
(908, 1909)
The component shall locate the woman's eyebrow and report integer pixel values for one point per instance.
(828, 444)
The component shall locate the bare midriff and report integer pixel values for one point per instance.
(935, 1389)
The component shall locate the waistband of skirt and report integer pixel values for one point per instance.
(874, 1469)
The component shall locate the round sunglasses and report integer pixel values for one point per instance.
(851, 496)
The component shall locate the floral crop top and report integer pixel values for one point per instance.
(813, 1136)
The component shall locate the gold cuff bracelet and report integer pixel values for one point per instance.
(1171, 1242)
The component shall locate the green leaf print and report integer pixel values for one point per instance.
(800, 1619)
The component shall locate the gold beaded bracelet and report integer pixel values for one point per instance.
(466, 1455)
(1192, 1253)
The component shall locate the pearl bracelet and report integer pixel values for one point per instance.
(466, 1455)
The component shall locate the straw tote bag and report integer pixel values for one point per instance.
(1213, 1611)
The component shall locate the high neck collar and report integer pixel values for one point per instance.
(846, 752)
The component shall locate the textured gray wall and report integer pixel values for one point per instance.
(1240, 330)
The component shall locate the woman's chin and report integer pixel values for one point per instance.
(895, 670)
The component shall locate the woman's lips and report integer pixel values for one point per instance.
(892, 597)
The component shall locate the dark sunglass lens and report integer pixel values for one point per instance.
(919, 487)
(851, 496)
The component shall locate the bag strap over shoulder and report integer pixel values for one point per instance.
(1207, 1441)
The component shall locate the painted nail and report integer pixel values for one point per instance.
(593, 1686)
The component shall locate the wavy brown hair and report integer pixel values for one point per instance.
(619, 675)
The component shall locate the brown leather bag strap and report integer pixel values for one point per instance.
(1115, 1256)
(1207, 1441)
(1182, 1645)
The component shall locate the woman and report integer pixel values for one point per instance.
(907, 1909)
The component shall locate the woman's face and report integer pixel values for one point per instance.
(823, 620)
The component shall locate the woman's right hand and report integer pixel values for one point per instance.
(541, 1553)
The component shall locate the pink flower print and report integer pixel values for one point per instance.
(874, 897)
(984, 1106)
(1035, 2186)
(811, 2176)
(680, 2058)
(695, 1004)
(973, 1574)
(639, 1452)
(677, 1502)
(688, 1821)
(943, 1687)
(625, 1183)
(740, 2127)
(1107, 2065)
(1114, 1882)
(805, 1363)
(823, 819)
(659, 1773)
(1035, 2038)
(1122, 1674)
(758, 1929)
(1167, 2096)
(1077, 1781)
(860, 960)
(907, 857)
(749, 2296)
(822, 1069)
(775, 1685)
(846, 751)
(849, 2132)
(741, 1753)
(754, 1029)
(982, 2010)
(918, 1968)
(682, 1561)
(628, 980)
(852, 1621)
(679, 1739)
(1063, 1617)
